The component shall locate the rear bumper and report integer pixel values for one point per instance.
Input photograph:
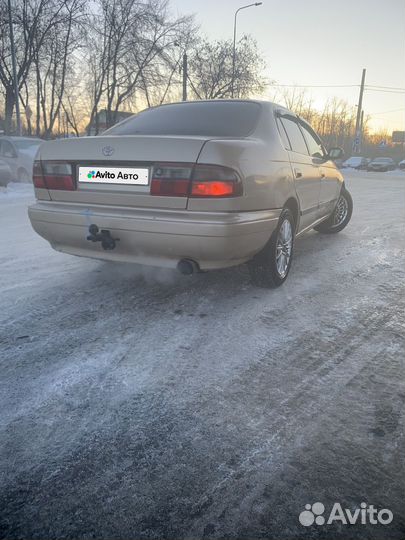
(156, 237)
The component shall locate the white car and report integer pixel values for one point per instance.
(5, 173)
(19, 154)
(356, 162)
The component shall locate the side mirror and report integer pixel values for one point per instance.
(336, 153)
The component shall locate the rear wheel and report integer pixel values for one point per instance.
(340, 217)
(270, 267)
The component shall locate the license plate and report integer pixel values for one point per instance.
(114, 175)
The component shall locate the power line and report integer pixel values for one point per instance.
(385, 91)
(373, 88)
(385, 87)
(317, 85)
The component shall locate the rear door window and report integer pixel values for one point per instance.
(283, 135)
(314, 144)
(295, 136)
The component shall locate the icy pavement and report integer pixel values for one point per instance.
(15, 190)
(137, 403)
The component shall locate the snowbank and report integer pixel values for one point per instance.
(353, 173)
(16, 190)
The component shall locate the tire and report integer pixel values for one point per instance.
(266, 269)
(340, 216)
(23, 176)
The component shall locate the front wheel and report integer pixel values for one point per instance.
(270, 267)
(340, 217)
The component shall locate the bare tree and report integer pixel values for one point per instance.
(25, 16)
(132, 53)
(74, 110)
(299, 101)
(45, 40)
(55, 61)
(335, 123)
(210, 70)
(162, 79)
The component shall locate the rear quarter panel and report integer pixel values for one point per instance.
(262, 163)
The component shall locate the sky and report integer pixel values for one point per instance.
(316, 43)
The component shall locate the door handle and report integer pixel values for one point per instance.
(323, 174)
(298, 173)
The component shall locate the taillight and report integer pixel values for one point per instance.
(215, 181)
(171, 179)
(184, 180)
(53, 175)
(37, 175)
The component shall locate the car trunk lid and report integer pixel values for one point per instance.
(112, 155)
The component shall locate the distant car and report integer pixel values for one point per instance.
(194, 185)
(401, 165)
(366, 163)
(5, 173)
(382, 164)
(356, 162)
(19, 154)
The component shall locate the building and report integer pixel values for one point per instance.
(102, 121)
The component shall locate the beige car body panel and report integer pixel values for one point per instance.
(160, 231)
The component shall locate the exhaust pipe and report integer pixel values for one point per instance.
(187, 267)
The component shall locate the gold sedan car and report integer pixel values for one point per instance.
(194, 185)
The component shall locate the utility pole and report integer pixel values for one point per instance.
(234, 42)
(14, 67)
(361, 130)
(357, 136)
(185, 75)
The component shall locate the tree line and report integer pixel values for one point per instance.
(336, 123)
(76, 58)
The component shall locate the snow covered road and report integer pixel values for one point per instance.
(138, 403)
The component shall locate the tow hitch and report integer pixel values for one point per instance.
(104, 236)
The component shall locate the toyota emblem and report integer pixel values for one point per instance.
(107, 150)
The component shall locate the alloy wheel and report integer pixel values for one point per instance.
(284, 248)
(340, 212)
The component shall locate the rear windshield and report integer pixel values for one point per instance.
(382, 160)
(215, 119)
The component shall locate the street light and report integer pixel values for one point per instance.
(234, 40)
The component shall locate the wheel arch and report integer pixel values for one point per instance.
(292, 204)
